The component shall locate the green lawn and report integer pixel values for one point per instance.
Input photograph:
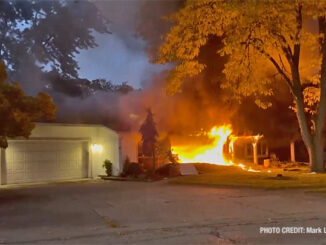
(236, 177)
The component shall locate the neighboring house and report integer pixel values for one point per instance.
(59, 152)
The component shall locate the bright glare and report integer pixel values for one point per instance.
(212, 153)
(253, 170)
(97, 148)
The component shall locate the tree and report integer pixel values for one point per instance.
(260, 38)
(149, 135)
(18, 111)
(47, 34)
(163, 150)
(82, 87)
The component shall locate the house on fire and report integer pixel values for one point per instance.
(256, 148)
(248, 149)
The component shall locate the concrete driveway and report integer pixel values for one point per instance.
(104, 212)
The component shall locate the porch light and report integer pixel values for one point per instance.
(97, 148)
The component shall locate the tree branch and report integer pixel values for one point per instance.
(279, 69)
(256, 43)
(285, 48)
(283, 66)
(297, 46)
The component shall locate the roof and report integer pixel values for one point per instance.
(75, 125)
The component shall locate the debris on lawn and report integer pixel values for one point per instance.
(281, 177)
(188, 169)
(168, 170)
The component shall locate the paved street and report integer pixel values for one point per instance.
(105, 212)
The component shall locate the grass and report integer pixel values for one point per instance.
(236, 177)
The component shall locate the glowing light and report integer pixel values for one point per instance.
(213, 152)
(257, 137)
(210, 153)
(253, 170)
(240, 165)
(97, 148)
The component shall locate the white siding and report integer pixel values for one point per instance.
(59, 151)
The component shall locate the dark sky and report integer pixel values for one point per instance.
(120, 56)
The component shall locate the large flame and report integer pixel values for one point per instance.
(211, 153)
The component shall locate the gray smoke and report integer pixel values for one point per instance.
(137, 30)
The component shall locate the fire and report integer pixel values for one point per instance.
(210, 153)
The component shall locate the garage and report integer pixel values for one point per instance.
(56, 152)
(36, 161)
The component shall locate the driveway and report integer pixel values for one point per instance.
(105, 212)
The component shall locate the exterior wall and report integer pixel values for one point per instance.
(93, 134)
(129, 146)
(110, 143)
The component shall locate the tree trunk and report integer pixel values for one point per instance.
(313, 140)
(316, 155)
(314, 143)
(305, 132)
(316, 151)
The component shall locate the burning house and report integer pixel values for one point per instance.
(225, 149)
(248, 149)
(218, 146)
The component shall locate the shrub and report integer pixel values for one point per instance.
(131, 168)
(168, 170)
(107, 164)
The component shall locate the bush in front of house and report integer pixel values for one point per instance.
(168, 170)
(107, 164)
(131, 169)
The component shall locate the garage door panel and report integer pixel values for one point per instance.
(19, 156)
(34, 161)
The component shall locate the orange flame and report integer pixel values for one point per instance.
(212, 153)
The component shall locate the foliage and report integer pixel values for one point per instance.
(163, 150)
(132, 169)
(78, 87)
(47, 33)
(250, 119)
(127, 160)
(18, 111)
(149, 134)
(168, 170)
(265, 42)
(107, 164)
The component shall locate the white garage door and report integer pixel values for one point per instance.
(35, 161)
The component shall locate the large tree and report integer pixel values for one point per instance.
(149, 136)
(47, 34)
(18, 112)
(265, 42)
